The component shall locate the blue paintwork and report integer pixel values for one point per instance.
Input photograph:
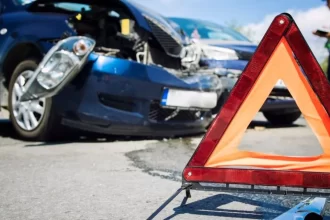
(305, 208)
(79, 103)
(164, 97)
(34, 30)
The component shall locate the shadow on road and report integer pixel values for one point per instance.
(268, 125)
(86, 137)
(211, 206)
(7, 131)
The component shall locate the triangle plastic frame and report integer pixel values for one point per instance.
(197, 176)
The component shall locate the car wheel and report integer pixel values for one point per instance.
(32, 120)
(276, 118)
(221, 101)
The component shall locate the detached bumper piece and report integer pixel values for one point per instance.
(309, 209)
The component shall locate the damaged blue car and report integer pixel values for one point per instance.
(111, 67)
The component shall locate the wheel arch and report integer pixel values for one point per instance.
(18, 53)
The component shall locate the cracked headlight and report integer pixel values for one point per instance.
(56, 69)
(59, 66)
(219, 53)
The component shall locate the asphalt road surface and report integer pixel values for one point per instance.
(106, 178)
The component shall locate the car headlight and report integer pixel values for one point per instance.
(58, 67)
(66, 57)
(219, 53)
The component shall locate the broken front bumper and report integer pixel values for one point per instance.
(118, 96)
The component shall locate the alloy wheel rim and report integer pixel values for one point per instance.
(29, 114)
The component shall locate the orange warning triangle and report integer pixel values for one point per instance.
(282, 54)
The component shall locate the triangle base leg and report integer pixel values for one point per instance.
(185, 187)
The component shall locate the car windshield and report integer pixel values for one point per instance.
(208, 30)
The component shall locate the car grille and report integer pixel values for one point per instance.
(121, 103)
(170, 45)
(159, 114)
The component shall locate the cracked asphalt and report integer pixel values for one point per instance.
(111, 178)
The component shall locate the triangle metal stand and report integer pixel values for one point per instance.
(312, 208)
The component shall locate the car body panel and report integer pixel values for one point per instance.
(141, 73)
(28, 32)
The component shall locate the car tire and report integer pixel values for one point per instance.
(46, 124)
(276, 118)
(221, 101)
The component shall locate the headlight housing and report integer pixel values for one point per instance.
(67, 56)
(59, 66)
(219, 53)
